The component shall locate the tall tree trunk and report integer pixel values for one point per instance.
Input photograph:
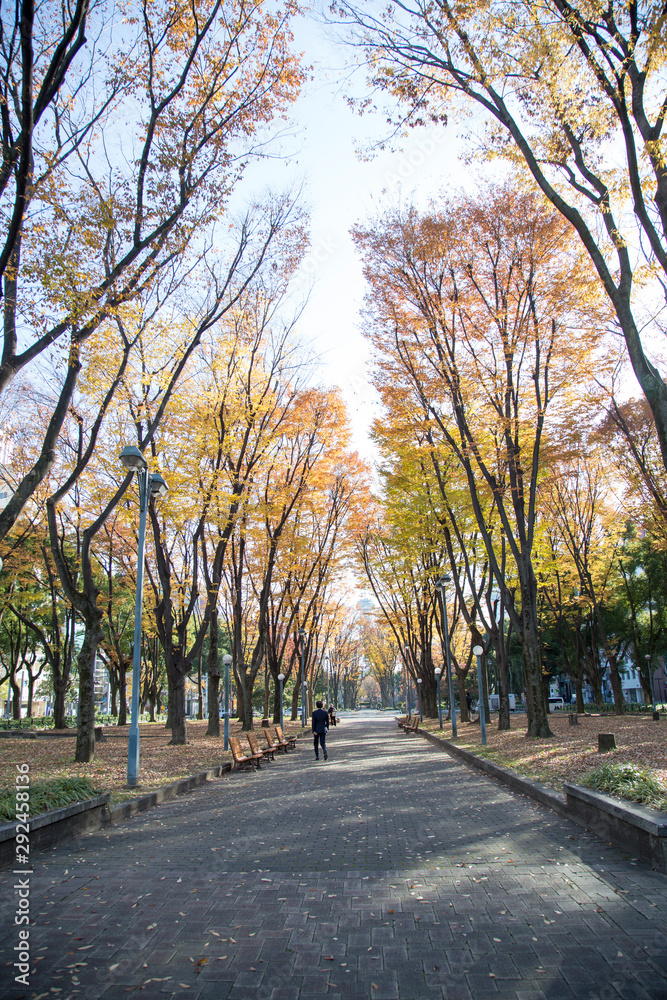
(295, 704)
(213, 728)
(16, 696)
(113, 684)
(276, 702)
(579, 692)
(60, 686)
(122, 693)
(245, 694)
(179, 731)
(536, 708)
(463, 701)
(485, 688)
(503, 684)
(267, 691)
(170, 702)
(85, 737)
(200, 693)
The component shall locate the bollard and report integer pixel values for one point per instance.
(265, 723)
(606, 741)
(574, 719)
(656, 716)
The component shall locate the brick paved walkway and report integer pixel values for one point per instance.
(392, 871)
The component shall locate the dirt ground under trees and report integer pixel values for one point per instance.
(52, 756)
(572, 751)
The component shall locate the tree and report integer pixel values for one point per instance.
(472, 308)
(97, 213)
(575, 93)
(580, 509)
(381, 655)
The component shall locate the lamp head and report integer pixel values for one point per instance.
(226, 659)
(477, 650)
(132, 459)
(419, 680)
(281, 677)
(438, 671)
(647, 656)
(158, 486)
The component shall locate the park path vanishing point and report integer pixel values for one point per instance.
(391, 871)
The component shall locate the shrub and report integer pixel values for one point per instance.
(47, 795)
(628, 782)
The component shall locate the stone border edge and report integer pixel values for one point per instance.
(633, 828)
(51, 828)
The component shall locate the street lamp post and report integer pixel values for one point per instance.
(281, 678)
(151, 484)
(438, 671)
(477, 650)
(419, 688)
(440, 586)
(302, 635)
(226, 660)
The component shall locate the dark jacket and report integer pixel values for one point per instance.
(320, 721)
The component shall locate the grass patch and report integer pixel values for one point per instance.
(46, 796)
(628, 782)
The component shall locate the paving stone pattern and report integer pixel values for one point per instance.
(390, 872)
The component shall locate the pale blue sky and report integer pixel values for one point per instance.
(340, 190)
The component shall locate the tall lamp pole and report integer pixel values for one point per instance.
(478, 651)
(227, 663)
(419, 688)
(438, 671)
(302, 636)
(151, 484)
(281, 678)
(440, 586)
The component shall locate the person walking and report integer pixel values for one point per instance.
(332, 716)
(320, 730)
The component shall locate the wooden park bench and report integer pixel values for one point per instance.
(412, 725)
(273, 741)
(289, 740)
(401, 720)
(241, 758)
(256, 747)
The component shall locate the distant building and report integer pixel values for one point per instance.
(366, 607)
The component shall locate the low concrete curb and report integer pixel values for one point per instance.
(123, 810)
(640, 831)
(69, 822)
(545, 795)
(635, 828)
(51, 827)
